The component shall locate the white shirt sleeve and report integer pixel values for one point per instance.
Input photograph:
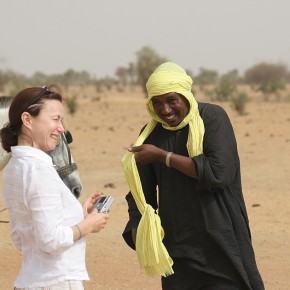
(15, 238)
(45, 201)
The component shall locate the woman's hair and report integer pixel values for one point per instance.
(29, 100)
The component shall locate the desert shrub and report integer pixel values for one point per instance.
(3, 80)
(267, 78)
(239, 101)
(224, 90)
(226, 86)
(72, 105)
(123, 74)
(206, 77)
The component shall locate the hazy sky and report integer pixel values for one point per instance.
(52, 36)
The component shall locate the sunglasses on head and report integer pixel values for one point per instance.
(45, 90)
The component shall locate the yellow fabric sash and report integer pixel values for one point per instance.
(151, 252)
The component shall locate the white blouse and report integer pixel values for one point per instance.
(41, 212)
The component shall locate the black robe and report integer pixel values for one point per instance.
(204, 220)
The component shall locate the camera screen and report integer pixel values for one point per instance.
(102, 199)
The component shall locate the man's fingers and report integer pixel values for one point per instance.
(134, 148)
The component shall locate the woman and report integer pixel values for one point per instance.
(47, 222)
(188, 169)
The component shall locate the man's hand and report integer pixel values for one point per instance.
(148, 153)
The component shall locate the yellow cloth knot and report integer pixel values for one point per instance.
(152, 254)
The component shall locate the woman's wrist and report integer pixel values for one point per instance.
(79, 231)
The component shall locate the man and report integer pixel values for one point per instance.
(188, 169)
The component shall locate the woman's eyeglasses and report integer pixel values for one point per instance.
(45, 90)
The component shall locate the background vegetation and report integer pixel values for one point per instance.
(270, 79)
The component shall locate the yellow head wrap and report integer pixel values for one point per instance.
(168, 77)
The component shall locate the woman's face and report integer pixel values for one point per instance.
(47, 126)
(172, 108)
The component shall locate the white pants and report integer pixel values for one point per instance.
(66, 285)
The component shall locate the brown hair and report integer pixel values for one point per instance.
(29, 100)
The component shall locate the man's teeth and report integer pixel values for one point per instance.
(170, 117)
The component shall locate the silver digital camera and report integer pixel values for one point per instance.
(104, 204)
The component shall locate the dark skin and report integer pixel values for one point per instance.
(172, 108)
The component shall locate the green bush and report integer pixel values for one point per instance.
(224, 90)
(267, 78)
(239, 101)
(72, 105)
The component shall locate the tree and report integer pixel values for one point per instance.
(147, 61)
(206, 77)
(224, 89)
(16, 82)
(227, 86)
(122, 74)
(132, 73)
(3, 80)
(39, 78)
(267, 78)
(233, 76)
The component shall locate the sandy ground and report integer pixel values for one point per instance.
(104, 125)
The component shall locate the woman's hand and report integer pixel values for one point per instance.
(95, 221)
(89, 204)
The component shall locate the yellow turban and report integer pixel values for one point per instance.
(168, 77)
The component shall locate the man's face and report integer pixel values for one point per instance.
(172, 108)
